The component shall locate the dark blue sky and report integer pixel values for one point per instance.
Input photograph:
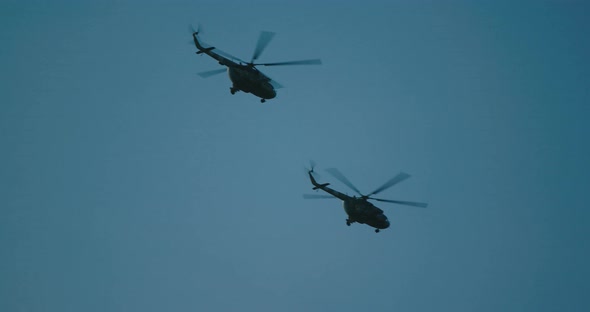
(129, 183)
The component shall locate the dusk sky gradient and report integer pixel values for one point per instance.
(129, 183)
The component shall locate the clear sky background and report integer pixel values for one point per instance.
(129, 183)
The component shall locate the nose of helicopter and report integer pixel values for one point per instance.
(271, 93)
(384, 222)
(268, 92)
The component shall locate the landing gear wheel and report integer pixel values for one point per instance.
(262, 100)
(233, 90)
(376, 230)
(347, 222)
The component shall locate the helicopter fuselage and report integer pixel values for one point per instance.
(250, 80)
(361, 211)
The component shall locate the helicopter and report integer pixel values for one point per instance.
(244, 75)
(359, 209)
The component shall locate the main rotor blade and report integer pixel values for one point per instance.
(263, 40)
(313, 196)
(338, 175)
(301, 62)
(397, 179)
(207, 74)
(407, 203)
(229, 56)
(275, 84)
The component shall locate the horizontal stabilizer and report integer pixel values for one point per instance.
(321, 186)
(205, 50)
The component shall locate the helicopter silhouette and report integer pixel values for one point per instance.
(359, 209)
(244, 75)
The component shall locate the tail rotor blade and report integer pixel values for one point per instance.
(311, 170)
(312, 164)
(395, 180)
(192, 30)
(338, 175)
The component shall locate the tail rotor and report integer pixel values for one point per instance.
(192, 30)
(311, 169)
